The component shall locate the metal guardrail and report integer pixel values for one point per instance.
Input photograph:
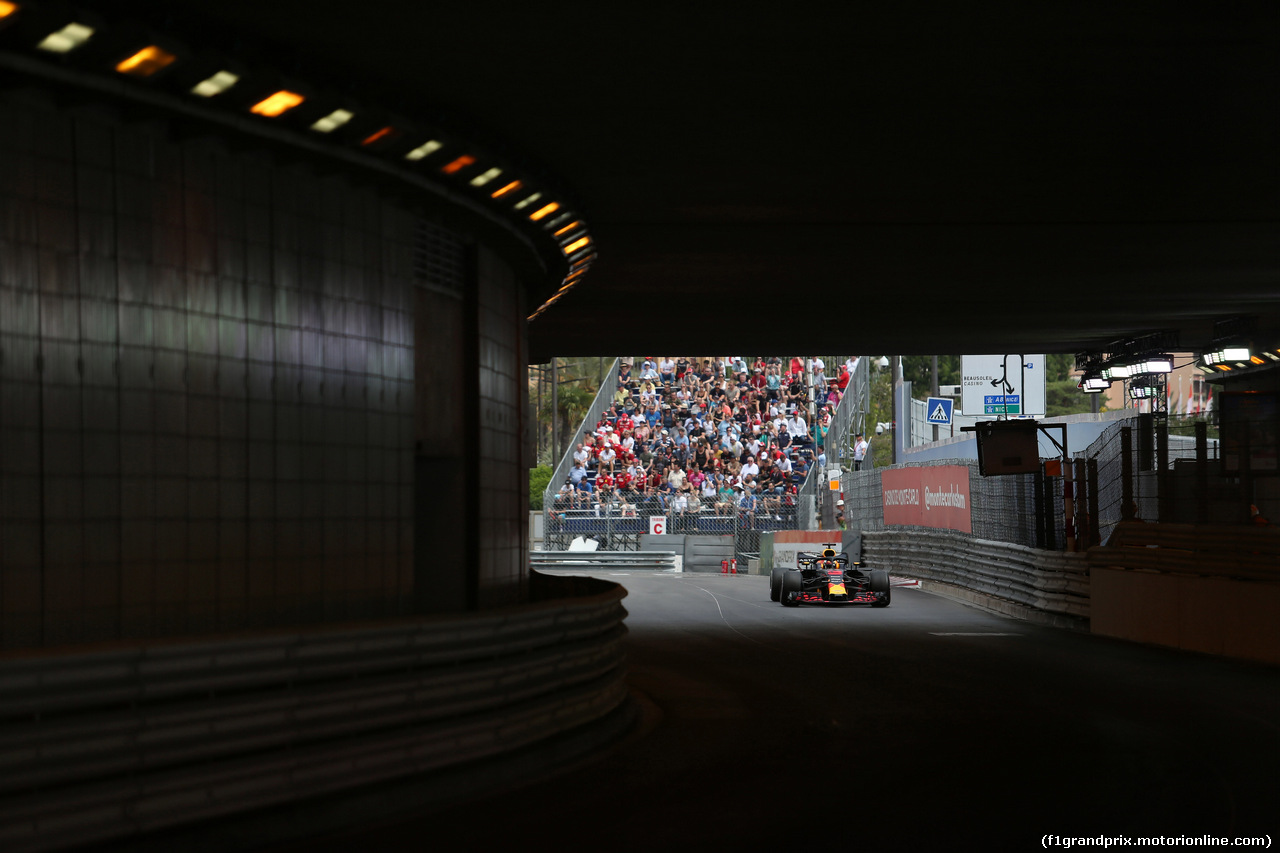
(109, 743)
(655, 560)
(1048, 581)
(604, 396)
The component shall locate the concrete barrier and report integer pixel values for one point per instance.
(110, 742)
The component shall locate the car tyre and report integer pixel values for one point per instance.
(791, 587)
(775, 583)
(880, 584)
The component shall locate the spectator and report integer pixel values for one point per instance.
(667, 370)
(797, 428)
(773, 384)
(860, 448)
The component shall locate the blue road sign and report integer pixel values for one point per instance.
(939, 409)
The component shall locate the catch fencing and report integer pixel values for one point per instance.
(1141, 467)
(1003, 509)
(616, 528)
(604, 396)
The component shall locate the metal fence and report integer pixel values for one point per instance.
(604, 396)
(1021, 509)
(618, 524)
(1142, 467)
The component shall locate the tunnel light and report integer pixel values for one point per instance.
(544, 211)
(568, 228)
(379, 135)
(1234, 353)
(7, 9)
(556, 221)
(576, 245)
(485, 177)
(1273, 356)
(424, 150)
(1115, 371)
(506, 190)
(457, 164)
(528, 201)
(278, 104)
(332, 121)
(218, 83)
(66, 39)
(147, 61)
(1149, 364)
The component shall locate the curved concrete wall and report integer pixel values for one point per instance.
(223, 373)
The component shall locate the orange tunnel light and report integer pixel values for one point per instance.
(146, 62)
(576, 245)
(7, 9)
(543, 211)
(379, 135)
(566, 229)
(277, 104)
(508, 189)
(458, 165)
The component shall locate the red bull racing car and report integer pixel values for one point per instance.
(829, 578)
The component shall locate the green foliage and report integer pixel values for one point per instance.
(918, 369)
(538, 479)
(881, 412)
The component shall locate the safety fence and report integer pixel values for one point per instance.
(616, 529)
(604, 396)
(848, 419)
(1020, 509)
(108, 743)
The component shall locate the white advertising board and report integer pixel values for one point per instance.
(996, 385)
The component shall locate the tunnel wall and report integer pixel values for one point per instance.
(207, 389)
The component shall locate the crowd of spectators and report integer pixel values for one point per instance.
(692, 438)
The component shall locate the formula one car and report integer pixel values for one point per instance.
(829, 578)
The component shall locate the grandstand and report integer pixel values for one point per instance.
(705, 446)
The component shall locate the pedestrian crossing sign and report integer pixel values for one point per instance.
(939, 410)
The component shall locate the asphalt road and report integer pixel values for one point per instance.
(928, 723)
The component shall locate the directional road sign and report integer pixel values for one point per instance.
(939, 409)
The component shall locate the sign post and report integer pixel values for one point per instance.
(939, 410)
(1010, 385)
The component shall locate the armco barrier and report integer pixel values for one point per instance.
(654, 560)
(110, 742)
(1047, 582)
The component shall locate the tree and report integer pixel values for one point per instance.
(538, 479)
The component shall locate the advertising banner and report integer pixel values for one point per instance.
(788, 543)
(932, 496)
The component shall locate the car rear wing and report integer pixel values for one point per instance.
(805, 558)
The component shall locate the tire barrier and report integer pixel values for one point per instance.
(113, 742)
(1049, 582)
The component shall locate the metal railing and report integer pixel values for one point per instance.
(604, 396)
(847, 420)
(653, 560)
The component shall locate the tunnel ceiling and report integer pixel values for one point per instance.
(899, 178)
